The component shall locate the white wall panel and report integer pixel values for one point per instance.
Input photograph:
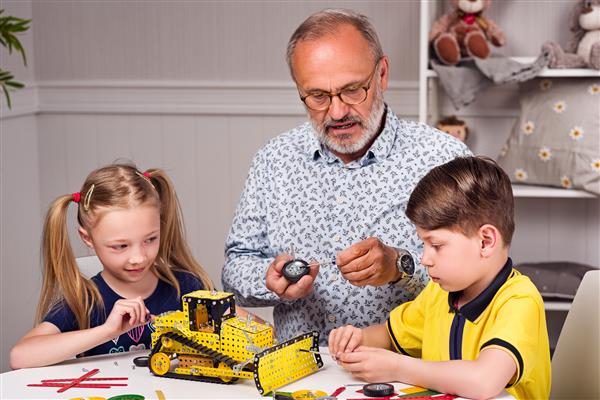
(20, 227)
(145, 138)
(556, 230)
(208, 40)
(214, 193)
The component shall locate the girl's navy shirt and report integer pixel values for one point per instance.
(164, 298)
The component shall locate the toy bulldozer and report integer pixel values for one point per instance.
(208, 342)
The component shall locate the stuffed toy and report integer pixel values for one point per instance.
(465, 31)
(584, 49)
(454, 127)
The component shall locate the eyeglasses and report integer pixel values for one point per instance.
(320, 101)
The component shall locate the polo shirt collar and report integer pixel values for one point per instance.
(473, 309)
(379, 150)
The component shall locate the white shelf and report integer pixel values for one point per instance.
(561, 73)
(550, 192)
(546, 72)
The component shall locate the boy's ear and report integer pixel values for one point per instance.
(87, 239)
(489, 237)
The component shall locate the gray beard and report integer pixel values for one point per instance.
(370, 128)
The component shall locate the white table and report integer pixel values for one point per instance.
(13, 384)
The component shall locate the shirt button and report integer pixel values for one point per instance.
(331, 318)
(337, 238)
(339, 199)
(333, 277)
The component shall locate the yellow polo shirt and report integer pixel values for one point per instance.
(508, 315)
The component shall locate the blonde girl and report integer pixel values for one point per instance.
(132, 220)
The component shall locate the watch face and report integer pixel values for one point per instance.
(407, 264)
(293, 270)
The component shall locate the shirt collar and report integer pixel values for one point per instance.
(473, 309)
(379, 150)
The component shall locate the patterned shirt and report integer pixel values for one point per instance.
(300, 197)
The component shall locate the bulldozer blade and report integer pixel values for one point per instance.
(285, 363)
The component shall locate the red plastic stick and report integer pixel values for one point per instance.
(78, 380)
(67, 383)
(79, 385)
(89, 379)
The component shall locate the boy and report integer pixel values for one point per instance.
(479, 325)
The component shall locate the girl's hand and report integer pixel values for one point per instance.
(127, 314)
(344, 340)
(372, 364)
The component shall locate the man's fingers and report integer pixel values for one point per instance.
(362, 275)
(353, 252)
(279, 262)
(275, 280)
(278, 285)
(356, 265)
(300, 288)
(314, 270)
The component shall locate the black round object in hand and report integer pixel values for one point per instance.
(293, 270)
(378, 389)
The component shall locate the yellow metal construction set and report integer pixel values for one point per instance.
(206, 341)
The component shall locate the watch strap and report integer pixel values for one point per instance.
(403, 273)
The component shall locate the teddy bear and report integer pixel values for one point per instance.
(454, 127)
(465, 31)
(584, 49)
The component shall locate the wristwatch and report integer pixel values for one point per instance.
(405, 265)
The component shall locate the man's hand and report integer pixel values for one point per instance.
(372, 364)
(368, 262)
(278, 284)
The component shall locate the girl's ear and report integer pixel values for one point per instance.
(489, 238)
(87, 239)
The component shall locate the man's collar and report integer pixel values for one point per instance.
(473, 309)
(379, 150)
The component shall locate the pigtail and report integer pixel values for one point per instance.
(174, 250)
(62, 279)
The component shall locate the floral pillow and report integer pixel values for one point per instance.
(556, 139)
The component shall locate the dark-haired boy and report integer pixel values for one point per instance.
(479, 325)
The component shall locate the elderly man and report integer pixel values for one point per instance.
(334, 190)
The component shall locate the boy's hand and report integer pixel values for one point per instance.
(368, 262)
(127, 314)
(372, 364)
(344, 340)
(278, 284)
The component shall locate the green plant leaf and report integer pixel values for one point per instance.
(10, 26)
(6, 95)
(16, 85)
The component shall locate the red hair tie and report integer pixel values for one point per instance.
(76, 197)
(147, 174)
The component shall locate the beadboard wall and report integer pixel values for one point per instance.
(196, 88)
